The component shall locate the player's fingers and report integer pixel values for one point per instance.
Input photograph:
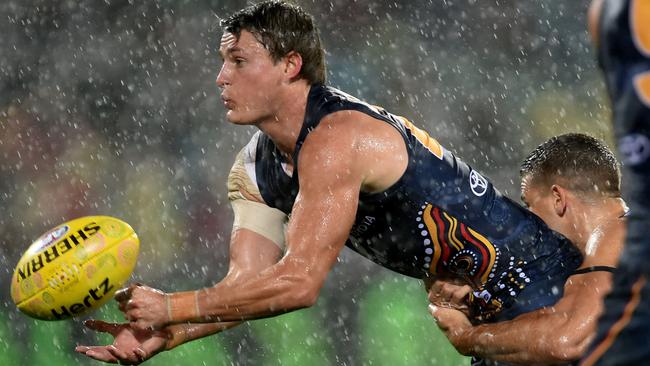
(125, 293)
(141, 354)
(435, 290)
(130, 305)
(120, 355)
(452, 293)
(460, 294)
(436, 286)
(99, 353)
(433, 310)
(142, 324)
(133, 315)
(102, 326)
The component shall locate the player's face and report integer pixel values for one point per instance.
(539, 201)
(248, 78)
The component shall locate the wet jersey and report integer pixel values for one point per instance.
(441, 217)
(624, 56)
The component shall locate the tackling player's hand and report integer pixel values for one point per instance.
(130, 346)
(449, 295)
(144, 307)
(453, 323)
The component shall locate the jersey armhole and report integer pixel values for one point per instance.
(594, 269)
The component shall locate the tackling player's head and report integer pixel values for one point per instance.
(570, 166)
(267, 48)
(575, 161)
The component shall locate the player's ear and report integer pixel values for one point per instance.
(559, 195)
(292, 64)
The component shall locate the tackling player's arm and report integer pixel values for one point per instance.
(555, 334)
(593, 20)
(331, 175)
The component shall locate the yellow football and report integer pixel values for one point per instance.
(75, 267)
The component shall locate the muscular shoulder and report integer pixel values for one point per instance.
(358, 145)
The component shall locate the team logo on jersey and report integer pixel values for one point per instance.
(451, 247)
(477, 183)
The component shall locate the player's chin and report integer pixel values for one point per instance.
(237, 118)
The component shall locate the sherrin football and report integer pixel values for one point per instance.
(74, 268)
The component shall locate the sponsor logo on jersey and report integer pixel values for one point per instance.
(477, 183)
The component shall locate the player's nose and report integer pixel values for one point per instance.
(222, 77)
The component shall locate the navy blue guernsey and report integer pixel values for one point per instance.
(440, 218)
(624, 56)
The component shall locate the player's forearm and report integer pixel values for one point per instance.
(183, 333)
(522, 342)
(275, 291)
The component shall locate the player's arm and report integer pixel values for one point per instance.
(322, 216)
(256, 243)
(250, 254)
(556, 334)
(593, 20)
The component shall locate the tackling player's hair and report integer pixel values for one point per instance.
(282, 28)
(576, 161)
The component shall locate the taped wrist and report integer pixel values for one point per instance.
(183, 306)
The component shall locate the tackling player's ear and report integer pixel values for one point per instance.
(593, 20)
(292, 65)
(559, 199)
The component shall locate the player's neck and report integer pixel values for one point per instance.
(283, 126)
(592, 216)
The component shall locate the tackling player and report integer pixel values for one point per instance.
(572, 183)
(621, 33)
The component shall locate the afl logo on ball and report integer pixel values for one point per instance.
(51, 237)
(477, 183)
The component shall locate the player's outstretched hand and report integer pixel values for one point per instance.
(130, 346)
(144, 307)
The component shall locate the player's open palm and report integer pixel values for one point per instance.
(130, 346)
